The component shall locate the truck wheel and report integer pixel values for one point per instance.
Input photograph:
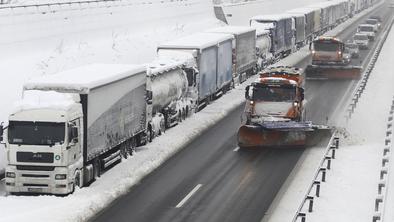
(132, 145)
(123, 150)
(149, 134)
(183, 114)
(96, 169)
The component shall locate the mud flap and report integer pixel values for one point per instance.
(332, 72)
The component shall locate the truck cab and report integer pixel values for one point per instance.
(274, 99)
(43, 143)
(367, 29)
(329, 51)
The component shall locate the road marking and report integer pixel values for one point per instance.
(180, 204)
(236, 149)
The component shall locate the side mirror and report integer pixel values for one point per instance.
(149, 96)
(1, 132)
(247, 96)
(302, 92)
(74, 133)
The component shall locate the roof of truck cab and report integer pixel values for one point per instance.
(236, 30)
(275, 81)
(274, 17)
(199, 40)
(366, 25)
(83, 79)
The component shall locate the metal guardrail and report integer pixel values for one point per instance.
(333, 145)
(359, 90)
(319, 177)
(380, 200)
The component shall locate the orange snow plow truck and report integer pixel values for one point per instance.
(274, 111)
(330, 60)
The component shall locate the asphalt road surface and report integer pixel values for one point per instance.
(212, 180)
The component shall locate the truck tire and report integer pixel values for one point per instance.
(184, 115)
(124, 150)
(96, 168)
(149, 134)
(131, 146)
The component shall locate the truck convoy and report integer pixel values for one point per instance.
(274, 110)
(71, 126)
(329, 60)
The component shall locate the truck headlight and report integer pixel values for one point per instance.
(10, 174)
(60, 176)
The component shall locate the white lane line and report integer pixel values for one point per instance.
(195, 189)
(236, 149)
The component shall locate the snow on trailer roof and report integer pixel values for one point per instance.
(273, 17)
(197, 41)
(321, 4)
(236, 30)
(161, 65)
(304, 10)
(84, 78)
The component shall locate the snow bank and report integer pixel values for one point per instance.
(358, 164)
(87, 201)
(33, 43)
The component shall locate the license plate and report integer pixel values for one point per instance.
(34, 190)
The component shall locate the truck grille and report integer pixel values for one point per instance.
(35, 185)
(35, 175)
(34, 157)
(35, 168)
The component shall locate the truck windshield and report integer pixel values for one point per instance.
(325, 46)
(366, 29)
(36, 133)
(274, 94)
(351, 46)
(360, 37)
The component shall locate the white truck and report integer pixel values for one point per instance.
(70, 126)
(367, 29)
(208, 56)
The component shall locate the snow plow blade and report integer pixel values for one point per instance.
(292, 134)
(332, 72)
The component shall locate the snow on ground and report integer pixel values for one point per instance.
(33, 43)
(87, 201)
(49, 43)
(351, 187)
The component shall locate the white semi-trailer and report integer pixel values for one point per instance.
(210, 56)
(244, 50)
(173, 93)
(70, 126)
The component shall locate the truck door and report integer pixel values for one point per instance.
(74, 140)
